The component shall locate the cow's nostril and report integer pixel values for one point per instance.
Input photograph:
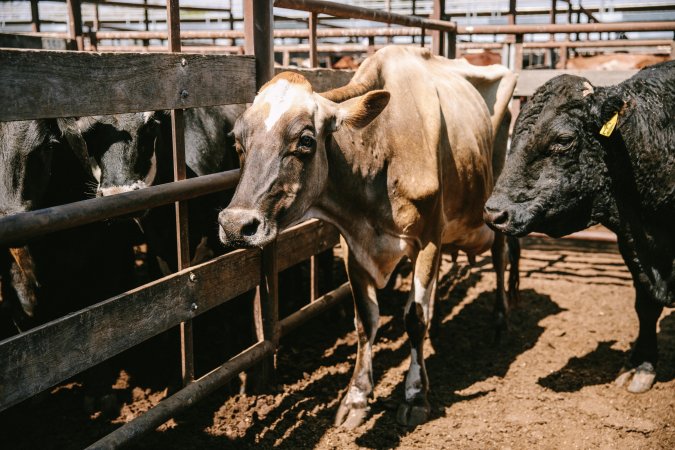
(250, 228)
(495, 217)
(499, 218)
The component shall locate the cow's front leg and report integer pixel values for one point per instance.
(501, 306)
(418, 310)
(354, 405)
(642, 370)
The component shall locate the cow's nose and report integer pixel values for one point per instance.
(240, 226)
(495, 216)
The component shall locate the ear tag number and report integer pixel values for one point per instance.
(607, 128)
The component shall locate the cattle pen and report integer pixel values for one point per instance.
(38, 84)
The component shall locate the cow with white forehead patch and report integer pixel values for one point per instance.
(402, 161)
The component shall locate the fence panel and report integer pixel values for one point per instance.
(42, 84)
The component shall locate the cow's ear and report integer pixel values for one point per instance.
(609, 112)
(362, 110)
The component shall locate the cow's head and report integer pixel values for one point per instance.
(554, 176)
(122, 148)
(30, 152)
(282, 141)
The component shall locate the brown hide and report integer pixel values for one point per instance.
(614, 61)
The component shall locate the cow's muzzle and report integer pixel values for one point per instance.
(507, 219)
(245, 228)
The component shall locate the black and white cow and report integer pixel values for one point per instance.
(133, 151)
(582, 155)
(43, 163)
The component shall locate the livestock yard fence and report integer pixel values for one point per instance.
(37, 84)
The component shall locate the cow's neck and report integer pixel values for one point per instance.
(356, 201)
(645, 240)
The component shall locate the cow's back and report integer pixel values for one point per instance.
(434, 140)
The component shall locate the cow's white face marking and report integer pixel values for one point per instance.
(588, 89)
(147, 115)
(281, 96)
(140, 184)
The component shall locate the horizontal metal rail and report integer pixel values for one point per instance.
(567, 28)
(186, 397)
(313, 309)
(18, 228)
(200, 388)
(356, 12)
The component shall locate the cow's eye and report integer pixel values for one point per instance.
(306, 141)
(563, 143)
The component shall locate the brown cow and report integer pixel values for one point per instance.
(401, 161)
(613, 61)
(483, 58)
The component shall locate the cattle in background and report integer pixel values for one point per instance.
(613, 61)
(401, 161)
(43, 163)
(346, 62)
(134, 151)
(583, 155)
(486, 57)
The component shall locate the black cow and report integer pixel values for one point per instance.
(133, 151)
(583, 155)
(43, 163)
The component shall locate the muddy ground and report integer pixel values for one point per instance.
(548, 385)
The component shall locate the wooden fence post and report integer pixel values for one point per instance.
(313, 54)
(437, 36)
(35, 15)
(258, 29)
(179, 173)
(75, 22)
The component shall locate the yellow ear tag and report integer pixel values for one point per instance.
(607, 128)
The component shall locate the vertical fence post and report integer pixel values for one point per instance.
(34, 16)
(75, 23)
(146, 21)
(182, 236)
(258, 26)
(437, 36)
(313, 53)
(452, 45)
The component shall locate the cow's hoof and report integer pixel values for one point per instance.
(413, 414)
(350, 416)
(639, 379)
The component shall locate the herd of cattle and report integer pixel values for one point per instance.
(408, 160)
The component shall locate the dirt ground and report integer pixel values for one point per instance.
(548, 385)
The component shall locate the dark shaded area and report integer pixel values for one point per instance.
(600, 366)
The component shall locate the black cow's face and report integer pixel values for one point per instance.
(554, 169)
(26, 152)
(123, 150)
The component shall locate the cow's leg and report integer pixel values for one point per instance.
(415, 410)
(642, 371)
(514, 270)
(354, 406)
(501, 306)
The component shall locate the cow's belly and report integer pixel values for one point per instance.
(471, 240)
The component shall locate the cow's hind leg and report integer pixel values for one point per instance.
(642, 370)
(415, 410)
(354, 405)
(501, 306)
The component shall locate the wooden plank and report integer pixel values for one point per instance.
(41, 84)
(530, 80)
(322, 79)
(302, 241)
(47, 355)
(44, 356)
